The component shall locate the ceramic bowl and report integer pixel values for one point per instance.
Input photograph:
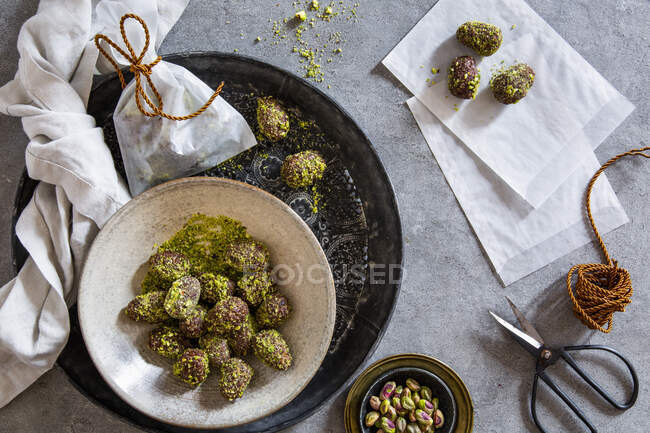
(117, 262)
(454, 399)
(446, 400)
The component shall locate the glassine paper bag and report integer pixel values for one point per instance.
(536, 144)
(156, 149)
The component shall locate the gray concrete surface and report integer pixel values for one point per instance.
(445, 264)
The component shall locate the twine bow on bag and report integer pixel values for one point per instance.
(140, 70)
(601, 289)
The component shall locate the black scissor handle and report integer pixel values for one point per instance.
(635, 380)
(533, 400)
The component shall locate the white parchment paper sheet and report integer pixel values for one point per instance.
(517, 239)
(533, 145)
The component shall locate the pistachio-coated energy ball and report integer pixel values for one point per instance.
(272, 119)
(169, 266)
(247, 256)
(483, 38)
(272, 349)
(215, 288)
(273, 311)
(192, 367)
(240, 339)
(254, 287)
(227, 315)
(463, 79)
(216, 347)
(182, 297)
(168, 342)
(511, 85)
(192, 326)
(236, 374)
(302, 169)
(149, 307)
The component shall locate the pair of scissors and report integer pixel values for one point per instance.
(546, 356)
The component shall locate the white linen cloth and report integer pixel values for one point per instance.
(517, 239)
(536, 144)
(79, 188)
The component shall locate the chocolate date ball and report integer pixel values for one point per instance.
(236, 374)
(302, 169)
(247, 256)
(149, 307)
(168, 342)
(216, 347)
(511, 85)
(273, 311)
(168, 266)
(463, 79)
(270, 347)
(193, 325)
(227, 315)
(215, 288)
(254, 287)
(240, 339)
(182, 297)
(483, 38)
(272, 119)
(192, 367)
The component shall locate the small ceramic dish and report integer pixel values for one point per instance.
(117, 262)
(455, 401)
(447, 402)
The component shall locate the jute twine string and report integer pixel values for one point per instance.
(601, 289)
(140, 70)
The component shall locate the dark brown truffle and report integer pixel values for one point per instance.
(463, 79)
(273, 311)
(483, 38)
(511, 85)
(236, 374)
(227, 315)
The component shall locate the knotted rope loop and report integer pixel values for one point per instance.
(601, 289)
(140, 70)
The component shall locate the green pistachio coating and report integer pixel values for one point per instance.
(240, 340)
(168, 342)
(463, 79)
(182, 297)
(192, 326)
(272, 349)
(149, 307)
(215, 288)
(235, 376)
(273, 311)
(483, 38)
(302, 169)
(272, 119)
(227, 315)
(192, 367)
(247, 256)
(254, 287)
(511, 85)
(216, 347)
(166, 267)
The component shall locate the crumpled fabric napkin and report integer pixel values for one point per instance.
(536, 144)
(79, 188)
(517, 239)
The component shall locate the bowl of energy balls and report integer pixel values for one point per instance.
(207, 303)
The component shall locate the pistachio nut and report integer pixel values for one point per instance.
(399, 390)
(423, 418)
(425, 393)
(378, 423)
(374, 402)
(435, 402)
(380, 431)
(408, 403)
(426, 406)
(397, 404)
(371, 418)
(388, 390)
(416, 398)
(406, 393)
(412, 384)
(413, 428)
(427, 428)
(438, 419)
(383, 407)
(412, 416)
(404, 413)
(392, 413)
(400, 425)
(387, 425)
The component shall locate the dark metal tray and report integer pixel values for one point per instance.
(353, 213)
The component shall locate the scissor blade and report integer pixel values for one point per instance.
(529, 343)
(525, 324)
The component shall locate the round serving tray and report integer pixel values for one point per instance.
(353, 214)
